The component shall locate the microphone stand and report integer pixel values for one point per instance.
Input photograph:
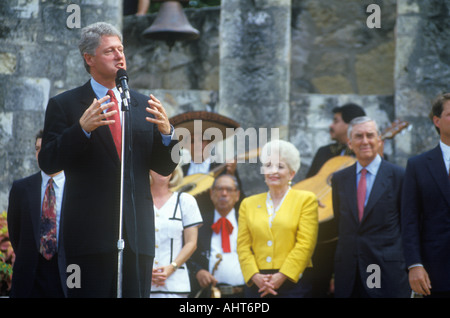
(121, 242)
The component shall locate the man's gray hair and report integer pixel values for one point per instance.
(91, 36)
(360, 120)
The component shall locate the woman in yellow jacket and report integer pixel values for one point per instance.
(277, 230)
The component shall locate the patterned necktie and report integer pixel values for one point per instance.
(227, 228)
(48, 244)
(116, 129)
(361, 193)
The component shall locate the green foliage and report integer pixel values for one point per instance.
(7, 257)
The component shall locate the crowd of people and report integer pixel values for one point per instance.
(391, 224)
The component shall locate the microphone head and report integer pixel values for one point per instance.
(121, 75)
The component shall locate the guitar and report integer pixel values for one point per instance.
(198, 183)
(320, 184)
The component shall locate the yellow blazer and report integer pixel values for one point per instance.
(287, 246)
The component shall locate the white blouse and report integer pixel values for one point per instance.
(170, 221)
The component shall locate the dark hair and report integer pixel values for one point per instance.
(236, 183)
(437, 108)
(349, 111)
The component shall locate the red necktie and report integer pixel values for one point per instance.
(227, 228)
(48, 244)
(116, 129)
(361, 193)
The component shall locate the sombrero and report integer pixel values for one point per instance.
(208, 120)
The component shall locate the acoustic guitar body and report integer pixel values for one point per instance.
(195, 184)
(320, 184)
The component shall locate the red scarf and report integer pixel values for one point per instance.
(227, 228)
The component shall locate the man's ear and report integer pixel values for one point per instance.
(88, 58)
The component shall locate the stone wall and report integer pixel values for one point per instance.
(394, 71)
(422, 70)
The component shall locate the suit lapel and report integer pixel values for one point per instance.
(436, 166)
(349, 180)
(35, 206)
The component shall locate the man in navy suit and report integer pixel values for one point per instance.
(78, 138)
(426, 211)
(369, 258)
(33, 275)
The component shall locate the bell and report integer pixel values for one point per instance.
(171, 24)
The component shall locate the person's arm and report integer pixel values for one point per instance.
(160, 274)
(143, 6)
(299, 257)
(244, 245)
(64, 138)
(410, 217)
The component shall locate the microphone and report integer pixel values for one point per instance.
(122, 86)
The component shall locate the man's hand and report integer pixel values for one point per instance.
(94, 117)
(205, 278)
(419, 280)
(161, 119)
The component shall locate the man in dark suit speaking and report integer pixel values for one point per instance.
(79, 137)
(369, 258)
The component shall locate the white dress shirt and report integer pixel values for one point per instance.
(202, 167)
(445, 154)
(229, 269)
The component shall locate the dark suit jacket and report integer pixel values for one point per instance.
(92, 168)
(200, 259)
(374, 240)
(426, 216)
(24, 213)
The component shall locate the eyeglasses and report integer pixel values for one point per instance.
(226, 189)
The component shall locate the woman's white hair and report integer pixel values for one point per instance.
(282, 150)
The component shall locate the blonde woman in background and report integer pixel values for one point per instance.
(278, 229)
(177, 218)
